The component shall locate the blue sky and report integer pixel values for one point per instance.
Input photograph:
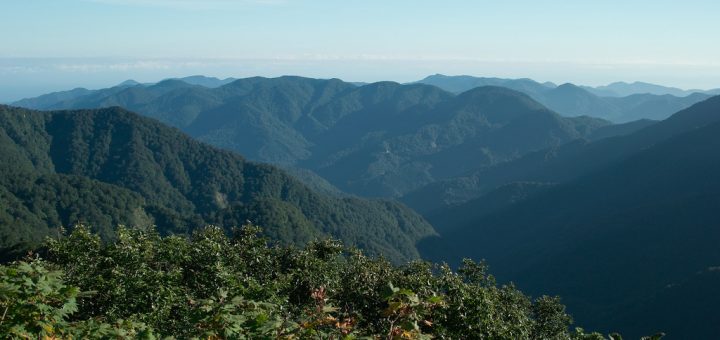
(49, 45)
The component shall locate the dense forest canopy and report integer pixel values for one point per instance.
(109, 167)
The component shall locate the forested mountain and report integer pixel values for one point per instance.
(51, 99)
(109, 166)
(563, 163)
(389, 152)
(55, 99)
(622, 228)
(634, 103)
(381, 139)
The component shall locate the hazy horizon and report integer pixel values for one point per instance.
(53, 78)
(98, 43)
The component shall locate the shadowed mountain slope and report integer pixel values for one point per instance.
(619, 233)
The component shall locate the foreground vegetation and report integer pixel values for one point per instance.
(212, 286)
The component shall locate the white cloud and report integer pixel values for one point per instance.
(97, 65)
(80, 65)
(135, 65)
(11, 69)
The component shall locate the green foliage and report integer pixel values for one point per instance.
(237, 318)
(657, 336)
(551, 317)
(212, 286)
(406, 312)
(34, 300)
(109, 167)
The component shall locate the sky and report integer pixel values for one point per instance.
(50, 45)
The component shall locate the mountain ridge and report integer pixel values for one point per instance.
(572, 100)
(646, 215)
(159, 175)
(379, 140)
(560, 163)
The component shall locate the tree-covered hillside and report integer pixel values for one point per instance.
(627, 230)
(562, 163)
(109, 166)
(382, 139)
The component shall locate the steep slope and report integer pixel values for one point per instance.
(650, 219)
(620, 129)
(457, 216)
(560, 164)
(149, 173)
(618, 241)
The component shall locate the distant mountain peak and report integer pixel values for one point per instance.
(568, 86)
(198, 76)
(483, 90)
(171, 83)
(129, 82)
(205, 81)
(437, 75)
(385, 83)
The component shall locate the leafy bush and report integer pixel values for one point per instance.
(212, 286)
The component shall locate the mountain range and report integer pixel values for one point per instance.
(105, 167)
(623, 89)
(380, 140)
(623, 228)
(618, 219)
(617, 102)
